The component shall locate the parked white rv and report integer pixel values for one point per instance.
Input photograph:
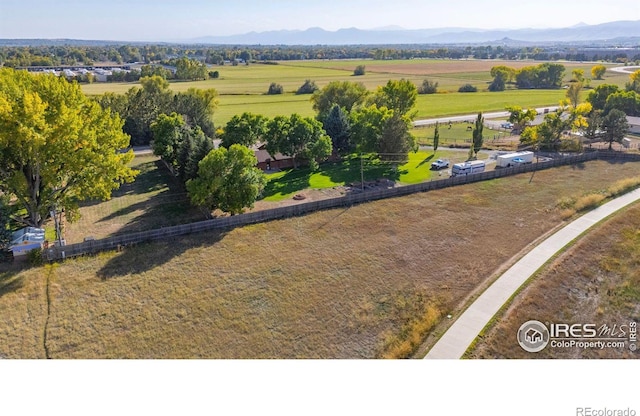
(467, 168)
(25, 240)
(514, 159)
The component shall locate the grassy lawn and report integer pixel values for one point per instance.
(342, 283)
(284, 184)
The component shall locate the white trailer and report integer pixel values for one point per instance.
(514, 159)
(468, 168)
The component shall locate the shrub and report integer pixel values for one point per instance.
(467, 88)
(214, 74)
(309, 87)
(570, 145)
(428, 87)
(34, 257)
(566, 202)
(412, 334)
(275, 89)
(588, 202)
(567, 213)
(497, 84)
(623, 186)
(360, 70)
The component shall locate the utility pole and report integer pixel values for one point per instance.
(361, 173)
(57, 225)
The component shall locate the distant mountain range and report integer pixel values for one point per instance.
(620, 31)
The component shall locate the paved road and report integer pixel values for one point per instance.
(472, 117)
(625, 69)
(454, 342)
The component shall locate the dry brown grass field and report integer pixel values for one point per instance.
(358, 282)
(595, 281)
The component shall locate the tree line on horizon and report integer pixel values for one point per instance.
(49, 55)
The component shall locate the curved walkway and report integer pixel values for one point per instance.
(456, 340)
(625, 69)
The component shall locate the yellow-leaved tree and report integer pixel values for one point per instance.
(57, 147)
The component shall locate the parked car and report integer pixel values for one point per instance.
(507, 125)
(440, 164)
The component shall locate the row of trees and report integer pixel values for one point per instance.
(81, 53)
(140, 107)
(603, 117)
(545, 75)
(225, 178)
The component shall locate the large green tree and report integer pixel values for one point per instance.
(227, 180)
(190, 69)
(167, 137)
(246, 129)
(57, 147)
(5, 223)
(337, 127)
(598, 96)
(366, 127)
(197, 106)
(396, 141)
(397, 95)
(380, 130)
(615, 126)
(545, 75)
(344, 93)
(520, 117)
(301, 138)
(499, 81)
(144, 105)
(627, 101)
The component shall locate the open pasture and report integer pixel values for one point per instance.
(243, 88)
(333, 284)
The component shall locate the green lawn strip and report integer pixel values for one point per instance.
(283, 185)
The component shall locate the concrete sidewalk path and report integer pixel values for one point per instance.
(454, 342)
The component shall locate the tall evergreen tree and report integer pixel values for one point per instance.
(478, 139)
(337, 127)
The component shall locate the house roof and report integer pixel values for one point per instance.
(27, 235)
(262, 155)
(634, 121)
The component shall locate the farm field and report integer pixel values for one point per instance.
(595, 281)
(342, 283)
(243, 88)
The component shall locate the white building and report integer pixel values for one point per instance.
(634, 124)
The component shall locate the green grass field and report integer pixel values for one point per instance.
(242, 88)
(284, 184)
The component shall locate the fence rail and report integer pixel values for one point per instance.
(118, 241)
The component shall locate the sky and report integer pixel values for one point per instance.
(164, 20)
